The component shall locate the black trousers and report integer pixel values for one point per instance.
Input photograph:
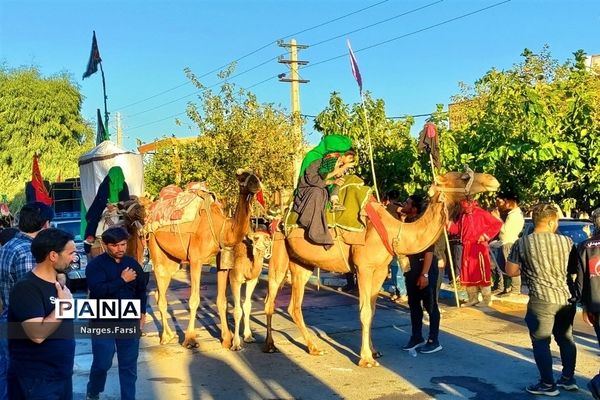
(419, 299)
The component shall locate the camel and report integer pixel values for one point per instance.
(132, 213)
(248, 263)
(370, 261)
(210, 232)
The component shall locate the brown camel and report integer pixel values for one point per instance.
(249, 256)
(133, 215)
(197, 242)
(370, 261)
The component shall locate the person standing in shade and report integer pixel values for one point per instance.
(42, 347)
(114, 275)
(588, 286)
(16, 260)
(508, 204)
(421, 283)
(392, 205)
(542, 259)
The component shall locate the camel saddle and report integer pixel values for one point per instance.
(350, 223)
(176, 206)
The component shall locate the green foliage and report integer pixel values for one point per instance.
(39, 115)
(536, 127)
(234, 131)
(397, 164)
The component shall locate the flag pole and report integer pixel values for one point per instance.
(358, 77)
(450, 258)
(105, 98)
(362, 100)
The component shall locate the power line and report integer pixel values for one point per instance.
(400, 117)
(254, 52)
(395, 38)
(411, 33)
(377, 23)
(271, 59)
(157, 121)
(356, 51)
(201, 90)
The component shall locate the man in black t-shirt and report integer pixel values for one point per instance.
(421, 285)
(588, 286)
(42, 347)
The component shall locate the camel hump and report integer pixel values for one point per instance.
(177, 206)
(169, 192)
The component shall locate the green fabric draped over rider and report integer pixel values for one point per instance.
(319, 180)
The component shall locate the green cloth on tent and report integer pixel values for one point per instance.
(117, 181)
(328, 144)
(354, 195)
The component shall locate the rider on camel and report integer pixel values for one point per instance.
(319, 180)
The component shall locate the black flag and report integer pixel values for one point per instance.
(95, 59)
(101, 135)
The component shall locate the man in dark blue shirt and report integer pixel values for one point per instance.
(114, 275)
(42, 347)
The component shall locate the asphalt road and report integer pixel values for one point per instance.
(487, 354)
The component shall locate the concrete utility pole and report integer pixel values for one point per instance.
(294, 79)
(119, 130)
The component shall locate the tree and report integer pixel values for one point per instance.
(234, 131)
(536, 127)
(39, 115)
(397, 164)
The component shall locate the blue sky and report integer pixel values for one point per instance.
(145, 45)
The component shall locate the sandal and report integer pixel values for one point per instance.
(394, 297)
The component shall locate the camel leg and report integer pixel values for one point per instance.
(250, 286)
(278, 267)
(379, 276)
(190, 333)
(222, 278)
(236, 288)
(162, 275)
(365, 289)
(299, 278)
(162, 285)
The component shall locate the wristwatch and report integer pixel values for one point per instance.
(425, 275)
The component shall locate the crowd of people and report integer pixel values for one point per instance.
(37, 349)
(36, 361)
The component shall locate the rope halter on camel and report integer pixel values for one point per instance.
(467, 175)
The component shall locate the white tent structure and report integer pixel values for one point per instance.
(94, 166)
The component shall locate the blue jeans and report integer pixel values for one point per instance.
(103, 351)
(397, 278)
(28, 388)
(3, 368)
(545, 319)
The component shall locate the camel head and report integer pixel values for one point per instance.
(133, 210)
(250, 184)
(261, 244)
(457, 185)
